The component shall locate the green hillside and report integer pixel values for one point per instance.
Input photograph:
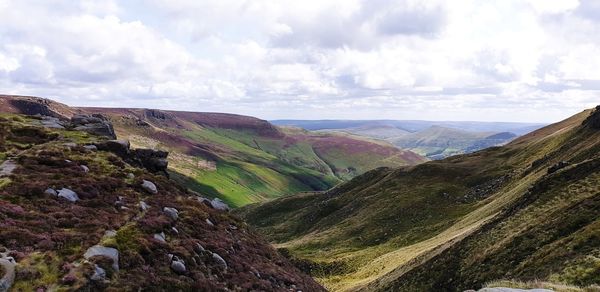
(457, 223)
(246, 160)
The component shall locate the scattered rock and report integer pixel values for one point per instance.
(109, 252)
(143, 206)
(7, 167)
(149, 187)
(130, 176)
(8, 265)
(99, 274)
(178, 266)
(219, 260)
(70, 144)
(51, 191)
(502, 289)
(68, 194)
(174, 230)
(90, 147)
(171, 212)
(110, 233)
(160, 237)
(85, 168)
(219, 204)
(209, 222)
(198, 248)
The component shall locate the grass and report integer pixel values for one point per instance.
(411, 229)
(536, 284)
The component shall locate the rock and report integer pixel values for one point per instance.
(68, 194)
(90, 147)
(130, 176)
(7, 167)
(175, 230)
(70, 144)
(178, 266)
(8, 265)
(149, 187)
(118, 147)
(85, 168)
(219, 204)
(152, 160)
(109, 252)
(51, 122)
(209, 222)
(51, 191)
(502, 289)
(99, 274)
(593, 121)
(554, 168)
(171, 212)
(110, 233)
(94, 124)
(199, 248)
(219, 260)
(160, 237)
(143, 206)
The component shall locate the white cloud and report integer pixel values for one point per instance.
(463, 59)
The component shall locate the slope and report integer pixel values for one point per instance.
(74, 217)
(403, 228)
(240, 159)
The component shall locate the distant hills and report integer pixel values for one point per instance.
(435, 140)
(239, 159)
(518, 215)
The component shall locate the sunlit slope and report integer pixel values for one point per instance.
(245, 160)
(373, 230)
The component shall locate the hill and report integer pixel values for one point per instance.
(239, 159)
(438, 142)
(524, 211)
(81, 212)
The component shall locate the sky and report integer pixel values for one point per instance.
(509, 60)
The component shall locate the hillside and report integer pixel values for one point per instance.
(524, 211)
(239, 159)
(438, 142)
(82, 212)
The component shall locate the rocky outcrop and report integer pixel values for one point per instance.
(68, 194)
(593, 121)
(152, 160)
(96, 124)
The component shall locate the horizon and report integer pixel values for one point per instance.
(527, 61)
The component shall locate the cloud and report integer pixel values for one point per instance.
(465, 59)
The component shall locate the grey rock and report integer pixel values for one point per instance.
(99, 274)
(209, 222)
(90, 147)
(85, 168)
(174, 230)
(51, 122)
(503, 289)
(70, 144)
(68, 194)
(219, 260)
(198, 248)
(118, 147)
(110, 233)
(143, 206)
(178, 266)
(149, 187)
(7, 167)
(171, 212)
(109, 252)
(130, 176)
(160, 237)
(8, 264)
(51, 191)
(94, 124)
(219, 204)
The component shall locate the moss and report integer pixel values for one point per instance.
(127, 238)
(4, 182)
(47, 265)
